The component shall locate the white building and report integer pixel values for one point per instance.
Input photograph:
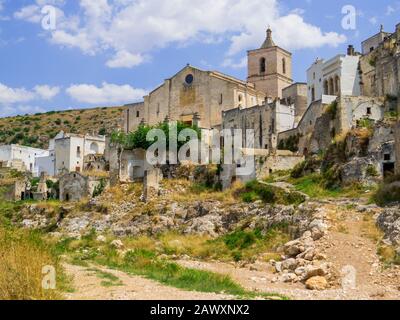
(339, 76)
(28, 155)
(70, 150)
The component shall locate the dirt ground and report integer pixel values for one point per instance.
(350, 245)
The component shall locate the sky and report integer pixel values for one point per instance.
(73, 54)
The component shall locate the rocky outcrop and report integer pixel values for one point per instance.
(212, 218)
(389, 222)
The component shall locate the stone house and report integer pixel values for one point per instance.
(71, 150)
(13, 190)
(75, 186)
(12, 155)
(380, 66)
(323, 121)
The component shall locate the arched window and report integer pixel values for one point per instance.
(284, 66)
(337, 85)
(313, 93)
(326, 87)
(331, 87)
(263, 65)
(94, 148)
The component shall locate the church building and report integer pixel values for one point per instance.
(199, 97)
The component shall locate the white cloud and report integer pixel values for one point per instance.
(10, 95)
(46, 92)
(242, 63)
(106, 94)
(133, 29)
(373, 20)
(124, 59)
(14, 95)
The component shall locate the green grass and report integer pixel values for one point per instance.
(313, 186)
(110, 280)
(145, 263)
(255, 190)
(143, 260)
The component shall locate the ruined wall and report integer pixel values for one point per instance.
(14, 191)
(352, 109)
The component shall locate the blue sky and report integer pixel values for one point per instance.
(111, 52)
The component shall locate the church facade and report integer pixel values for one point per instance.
(199, 97)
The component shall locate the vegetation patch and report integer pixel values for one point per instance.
(24, 254)
(255, 190)
(388, 192)
(291, 143)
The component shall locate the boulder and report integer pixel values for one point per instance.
(289, 264)
(317, 283)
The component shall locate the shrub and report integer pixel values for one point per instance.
(269, 194)
(371, 171)
(388, 192)
(332, 109)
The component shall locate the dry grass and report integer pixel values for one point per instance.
(97, 174)
(370, 230)
(23, 255)
(192, 192)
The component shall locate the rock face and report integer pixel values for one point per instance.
(213, 218)
(389, 222)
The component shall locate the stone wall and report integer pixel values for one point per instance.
(15, 191)
(75, 186)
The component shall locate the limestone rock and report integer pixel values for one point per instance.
(317, 283)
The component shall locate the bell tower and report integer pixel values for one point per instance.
(270, 67)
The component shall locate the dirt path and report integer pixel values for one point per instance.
(350, 244)
(88, 286)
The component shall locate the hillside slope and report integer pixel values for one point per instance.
(36, 130)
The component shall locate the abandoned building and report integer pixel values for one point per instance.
(21, 158)
(71, 149)
(75, 186)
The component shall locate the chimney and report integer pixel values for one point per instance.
(351, 51)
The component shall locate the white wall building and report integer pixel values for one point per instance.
(338, 76)
(70, 150)
(28, 155)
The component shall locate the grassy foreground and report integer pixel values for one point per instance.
(144, 259)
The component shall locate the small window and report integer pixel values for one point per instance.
(387, 157)
(371, 49)
(221, 99)
(369, 111)
(189, 79)
(137, 114)
(263, 65)
(284, 65)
